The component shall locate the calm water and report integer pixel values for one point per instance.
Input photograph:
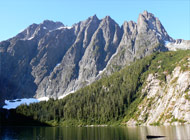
(95, 133)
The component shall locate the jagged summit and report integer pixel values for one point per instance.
(35, 31)
(147, 21)
(94, 17)
(50, 25)
(147, 14)
(108, 18)
(52, 60)
(51, 22)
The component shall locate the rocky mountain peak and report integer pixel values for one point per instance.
(53, 60)
(147, 15)
(91, 19)
(147, 22)
(38, 30)
(94, 17)
(129, 25)
(51, 24)
(108, 25)
(108, 19)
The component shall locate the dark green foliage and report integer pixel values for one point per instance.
(11, 118)
(110, 99)
(167, 61)
(104, 101)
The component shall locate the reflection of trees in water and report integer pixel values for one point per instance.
(97, 133)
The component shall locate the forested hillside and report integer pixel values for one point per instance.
(112, 99)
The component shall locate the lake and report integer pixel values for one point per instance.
(95, 133)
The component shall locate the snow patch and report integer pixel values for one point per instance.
(167, 42)
(43, 99)
(100, 71)
(177, 46)
(44, 28)
(58, 65)
(63, 27)
(12, 104)
(31, 38)
(61, 97)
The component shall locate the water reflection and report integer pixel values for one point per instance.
(96, 133)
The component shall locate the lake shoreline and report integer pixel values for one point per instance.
(94, 132)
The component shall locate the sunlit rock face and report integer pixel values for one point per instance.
(166, 102)
(53, 60)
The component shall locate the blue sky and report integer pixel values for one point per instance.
(16, 15)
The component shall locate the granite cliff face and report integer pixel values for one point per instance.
(166, 102)
(52, 60)
(138, 40)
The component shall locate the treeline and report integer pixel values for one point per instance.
(103, 101)
(107, 100)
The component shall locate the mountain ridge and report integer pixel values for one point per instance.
(52, 60)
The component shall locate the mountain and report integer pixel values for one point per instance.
(179, 44)
(154, 90)
(53, 60)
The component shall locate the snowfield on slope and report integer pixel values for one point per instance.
(12, 104)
